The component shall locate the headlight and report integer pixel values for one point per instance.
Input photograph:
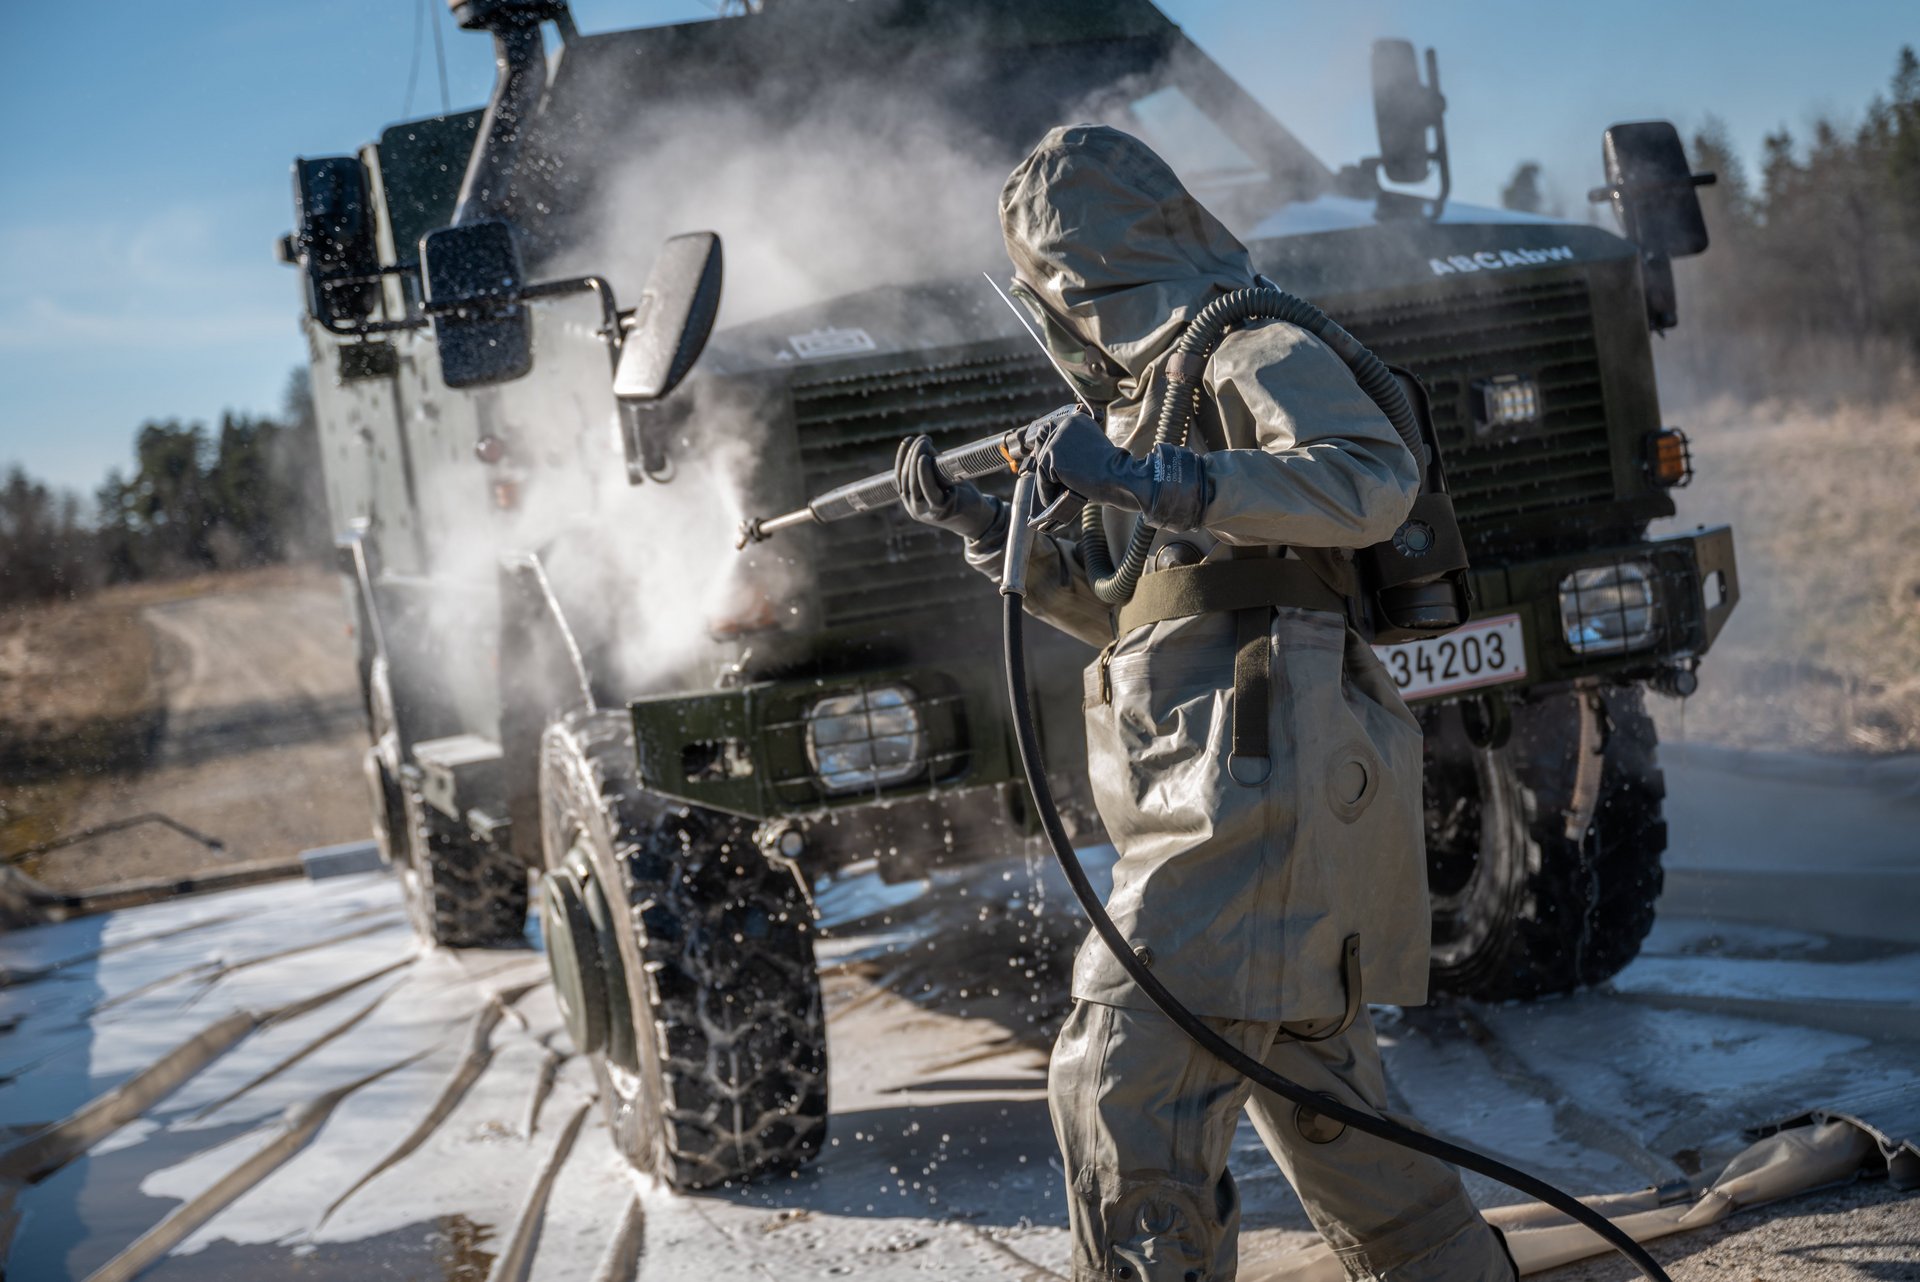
(866, 739)
(1507, 400)
(1609, 609)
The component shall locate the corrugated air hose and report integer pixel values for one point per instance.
(1116, 585)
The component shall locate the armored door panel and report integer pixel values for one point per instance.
(363, 451)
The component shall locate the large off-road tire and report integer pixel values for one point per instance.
(715, 1066)
(1527, 900)
(461, 892)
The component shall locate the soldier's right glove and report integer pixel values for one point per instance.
(1069, 451)
(932, 499)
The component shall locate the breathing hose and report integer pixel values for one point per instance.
(1013, 592)
(1116, 586)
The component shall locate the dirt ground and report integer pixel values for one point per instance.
(228, 704)
(1823, 653)
(1867, 1232)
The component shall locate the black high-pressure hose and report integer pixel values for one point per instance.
(1013, 592)
(1115, 586)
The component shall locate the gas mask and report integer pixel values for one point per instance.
(1085, 365)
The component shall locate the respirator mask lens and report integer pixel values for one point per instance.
(1084, 365)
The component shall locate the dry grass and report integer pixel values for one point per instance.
(70, 663)
(80, 698)
(1701, 367)
(1824, 650)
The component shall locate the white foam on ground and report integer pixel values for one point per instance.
(940, 1147)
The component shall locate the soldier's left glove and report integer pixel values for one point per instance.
(1069, 451)
(932, 499)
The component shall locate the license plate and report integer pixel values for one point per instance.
(1483, 653)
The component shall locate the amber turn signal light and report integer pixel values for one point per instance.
(1668, 459)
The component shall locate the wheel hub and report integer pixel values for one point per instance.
(583, 955)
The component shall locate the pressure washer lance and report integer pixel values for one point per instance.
(1013, 590)
(970, 462)
(986, 457)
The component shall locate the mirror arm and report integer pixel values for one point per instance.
(1605, 195)
(1368, 173)
(360, 329)
(366, 278)
(611, 331)
(363, 328)
(1439, 152)
(1446, 177)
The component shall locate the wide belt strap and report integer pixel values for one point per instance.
(1251, 589)
(1181, 591)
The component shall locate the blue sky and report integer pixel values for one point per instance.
(146, 149)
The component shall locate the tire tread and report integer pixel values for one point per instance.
(461, 892)
(739, 1034)
(1587, 903)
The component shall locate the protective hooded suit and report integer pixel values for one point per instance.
(1252, 900)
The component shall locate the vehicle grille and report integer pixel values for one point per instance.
(850, 423)
(1543, 331)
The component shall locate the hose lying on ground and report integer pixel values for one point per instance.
(1013, 592)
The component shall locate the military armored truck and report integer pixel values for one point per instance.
(538, 443)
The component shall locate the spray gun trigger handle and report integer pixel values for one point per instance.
(1011, 450)
(1045, 518)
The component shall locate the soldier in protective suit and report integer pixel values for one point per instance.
(1255, 768)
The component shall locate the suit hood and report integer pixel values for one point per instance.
(1097, 224)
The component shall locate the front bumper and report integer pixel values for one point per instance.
(746, 751)
(1696, 585)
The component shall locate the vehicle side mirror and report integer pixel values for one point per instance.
(673, 318)
(473, 280)
(334, 239)
(1651, 186)
(1404, 110)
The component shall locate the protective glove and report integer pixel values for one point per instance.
(1055, 507)
(931, 499)
(1069, 451)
